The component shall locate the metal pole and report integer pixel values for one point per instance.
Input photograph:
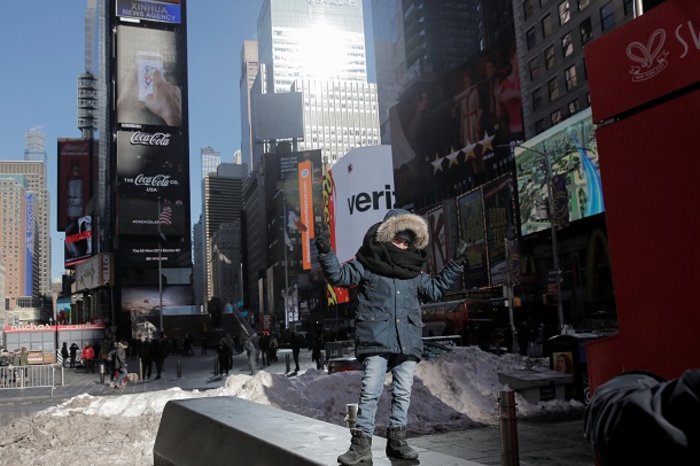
(160, 271)
(509, 289)
(555, 246)
(510, 455)
(286, 268)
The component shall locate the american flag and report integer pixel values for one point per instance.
(166, 214)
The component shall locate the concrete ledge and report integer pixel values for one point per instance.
(229, 430)
(537, 385)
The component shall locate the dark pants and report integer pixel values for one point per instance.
(159, 367)
(295, 353)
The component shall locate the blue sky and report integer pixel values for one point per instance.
(42, 53)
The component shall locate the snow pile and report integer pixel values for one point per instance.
(456, 391)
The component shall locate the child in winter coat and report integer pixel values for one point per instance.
(387, 270)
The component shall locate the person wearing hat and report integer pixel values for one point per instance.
(387, 270)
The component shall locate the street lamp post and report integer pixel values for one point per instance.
(553, 229)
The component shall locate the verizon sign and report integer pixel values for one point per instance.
(655, 54)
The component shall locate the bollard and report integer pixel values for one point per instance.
(179, 368)
(102, 372)
(287, 363)
(510, 455)
(351, 415)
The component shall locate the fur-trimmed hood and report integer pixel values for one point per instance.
(397, 220)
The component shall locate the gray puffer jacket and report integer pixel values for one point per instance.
(388, 317)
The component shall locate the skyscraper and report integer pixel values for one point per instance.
(318, 48)
(249, 72)
(13, 198)
(210, 160)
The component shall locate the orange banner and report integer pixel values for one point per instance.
(306, 212)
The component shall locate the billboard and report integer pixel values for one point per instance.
(74, 180)
(143, 253)
(499, 216)
(361, 190)
(152, 184)
(470, 209)
(285, 168)
(29, 244)
(151, 74)
(573, 154)
(451, 134)
(78, 241)
(163, 11)
(278, 116)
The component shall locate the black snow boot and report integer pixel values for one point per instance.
(360, 449)
(396, 445)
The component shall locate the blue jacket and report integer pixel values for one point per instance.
(388, 316)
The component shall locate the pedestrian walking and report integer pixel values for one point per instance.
(265, 349)
(159, 351)
(146, 358)
(252, 352)
(64, 353)
(73, 354)
(317, 350)
(387, 270)
(120, 364)
(224, 357)
(296, 343)
(274, 346)
(88, 356)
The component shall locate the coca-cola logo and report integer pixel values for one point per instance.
(150, 139)
(160, 180)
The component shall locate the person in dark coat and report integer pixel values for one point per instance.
(387, 270)
(640, 418)
(158, 351)
(224, 356)
(64, 353)
(73, 353)
(317, 350)
(296, 342)
(146, 358)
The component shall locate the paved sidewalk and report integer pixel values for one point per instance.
(547, 442)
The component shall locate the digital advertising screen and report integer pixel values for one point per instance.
(573, 154)
(451, 134)
(162, 11)
(499, 214)
(151, 74)
(152, 184)
(74, 181)
(470, 209)
(78, 241)
(143, 253)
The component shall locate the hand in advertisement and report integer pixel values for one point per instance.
(165, 100)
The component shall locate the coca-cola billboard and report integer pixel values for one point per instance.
(152, 185)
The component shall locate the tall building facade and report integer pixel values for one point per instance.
(222, 204)
(550, 39)
(211, 158)
(35, 175)
(13, 200)
(249, 72)
(339, 106)
(418, 40)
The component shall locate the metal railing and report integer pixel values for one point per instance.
(19, 377)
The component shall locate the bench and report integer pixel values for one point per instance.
(537, 384)
(229, 431)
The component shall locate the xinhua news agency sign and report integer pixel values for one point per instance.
(150, 10)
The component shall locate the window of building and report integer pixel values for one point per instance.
(573, 106)
(537, 99)
(564, 12)
(586, 30)
(547, 25)
(555, 117)
(583, 4)
(527, 9)
(549, 57)
(628, 6)
(539, 126)
(534, 66)
(530, 38)
(571, 80)
(607, 16)
(567, 44)
(553, 89)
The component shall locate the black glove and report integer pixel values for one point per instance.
(460, 256)
(323, 242)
